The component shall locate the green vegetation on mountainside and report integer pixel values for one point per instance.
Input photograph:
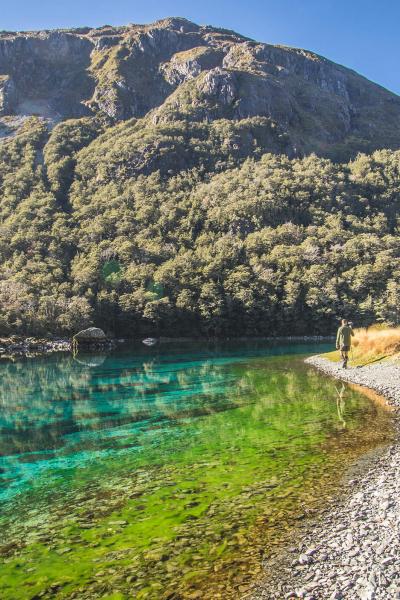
(191, 228)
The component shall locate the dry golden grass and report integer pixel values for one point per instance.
(377, 341)
(369, 345)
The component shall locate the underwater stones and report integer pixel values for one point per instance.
(112, 503)
(62, 551)
(136, 494)
(156, 555)
(195, 595)
(356, 543)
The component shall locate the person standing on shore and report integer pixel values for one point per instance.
(343, 341)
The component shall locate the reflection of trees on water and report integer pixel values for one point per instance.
(287, 402)
(42, 401)
(58, 409)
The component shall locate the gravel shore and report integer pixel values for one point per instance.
(353, 550)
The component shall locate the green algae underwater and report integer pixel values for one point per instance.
(167, 472)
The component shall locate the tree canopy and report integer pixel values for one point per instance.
(191, 229)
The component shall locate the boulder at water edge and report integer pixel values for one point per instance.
(92, 335)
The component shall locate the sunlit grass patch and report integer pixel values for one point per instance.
(371, 345)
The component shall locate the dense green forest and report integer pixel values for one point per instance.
(191, 229)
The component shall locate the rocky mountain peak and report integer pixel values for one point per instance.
(177, 24)
(174, 69)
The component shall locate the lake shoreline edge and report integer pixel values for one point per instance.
(32, 347)
(352, 550)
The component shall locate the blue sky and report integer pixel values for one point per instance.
(361, 34)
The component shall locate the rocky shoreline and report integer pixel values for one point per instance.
(353, 550)
(16, 346)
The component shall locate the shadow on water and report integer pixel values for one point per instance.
(166, 472)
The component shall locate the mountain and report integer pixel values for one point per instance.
(177, 71)
(178, 179)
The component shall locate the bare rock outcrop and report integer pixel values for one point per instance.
(177, 70)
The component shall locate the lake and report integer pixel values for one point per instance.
(167, 472)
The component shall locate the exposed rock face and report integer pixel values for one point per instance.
(189, 64)
(7, 95)
(177, 70)
(48, 68)
(220, 93)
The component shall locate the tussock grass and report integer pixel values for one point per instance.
(372, 344)
(377, 341)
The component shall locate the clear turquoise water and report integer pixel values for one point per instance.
(112, 461)
(62, 413)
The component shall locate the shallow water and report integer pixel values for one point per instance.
(166, 472)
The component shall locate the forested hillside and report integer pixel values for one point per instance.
(200, 241)
(184, 180)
